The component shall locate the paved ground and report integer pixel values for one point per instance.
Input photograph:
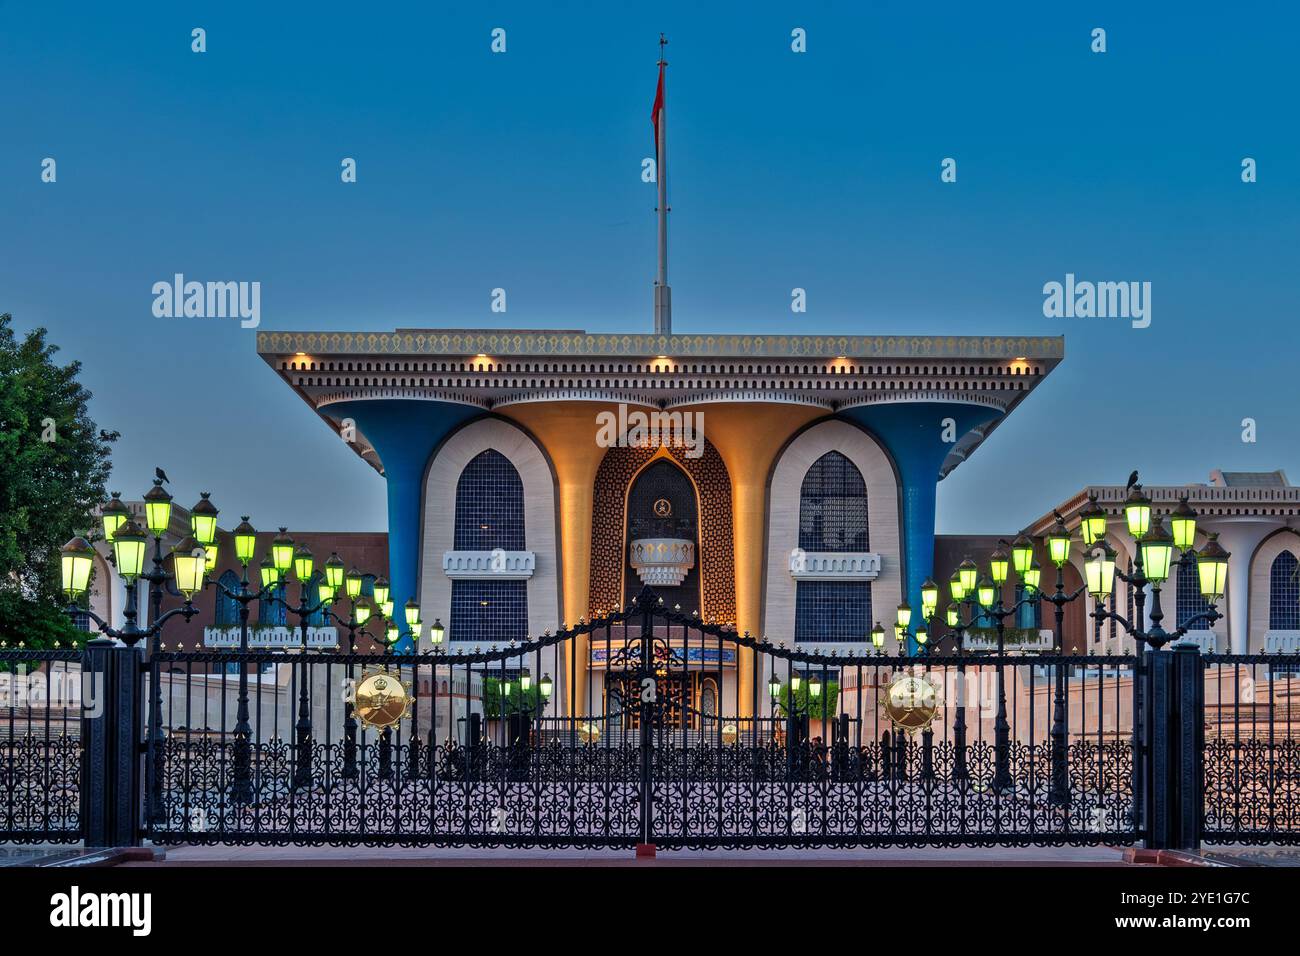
(431, 856)
(1253, 855)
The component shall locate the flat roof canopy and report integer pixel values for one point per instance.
(494, 368)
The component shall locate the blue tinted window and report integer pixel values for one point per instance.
(833, 506)
(832, 611)
(833, 517)
(316, 618)
(489, 505)
(226, 613)
(1029, 615)
(489, 515)
(1190, 602)
(1284, 594)
(271, 612)
(489, 612)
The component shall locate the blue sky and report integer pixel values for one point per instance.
(817, 170)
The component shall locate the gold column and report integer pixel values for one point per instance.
(748, 438)
(567, 430)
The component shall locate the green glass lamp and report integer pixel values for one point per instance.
(969, 572)
(903, 615)
(352, 582)
(282, 552)
(929, 598)
(188, 566)
(113, 514)
(1099, 571)
(203, 520)
(270, 574)
(1058, 543)
(985, 592)
(1182, 522)
(303, 563)
(128, 549)
(999, 566)
(245, 541)
(1092, 522)
(157, 509)
(363, 611)
(1137, 513)
(76, 559)
(1033, 575)
(1157, 552)
(1212, 569)
(334, 571)
(1022, 552)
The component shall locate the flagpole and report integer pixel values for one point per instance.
(663, 294)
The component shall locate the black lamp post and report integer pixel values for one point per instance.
(129, 542)
(1151, 567)
(986, 592)
(194, 558)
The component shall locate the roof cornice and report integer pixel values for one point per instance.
(563, 343)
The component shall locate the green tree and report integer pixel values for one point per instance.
(819, 708)
(520, 701)
(54, 462)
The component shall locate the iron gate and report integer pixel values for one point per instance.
(648, 735)
(648, 726)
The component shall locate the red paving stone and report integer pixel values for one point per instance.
(432, 856)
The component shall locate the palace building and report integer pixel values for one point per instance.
(1254, 516)
(802, 507)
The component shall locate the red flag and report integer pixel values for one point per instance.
(658, 107)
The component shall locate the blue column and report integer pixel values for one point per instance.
(914, 432)
(404, 433)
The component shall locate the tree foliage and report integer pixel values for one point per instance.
(819, 708)
(54, 463)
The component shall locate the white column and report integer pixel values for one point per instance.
(1240, 539)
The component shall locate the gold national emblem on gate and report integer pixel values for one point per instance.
(911, 702)
(381, 701)
(663, 508)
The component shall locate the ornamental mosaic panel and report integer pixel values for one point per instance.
(508, 342)
(609, 535)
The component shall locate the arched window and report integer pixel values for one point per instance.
(273, 612)
(489, 505)
(833, 506)
(1284, 594)
(226, 613)
(316, 618)
(1030, 615)
(833, 517)
(489, 515)
(1189, 600)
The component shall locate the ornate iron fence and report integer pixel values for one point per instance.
(638, 727)
(41, 705)
(1251, 768)
(634, 728)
